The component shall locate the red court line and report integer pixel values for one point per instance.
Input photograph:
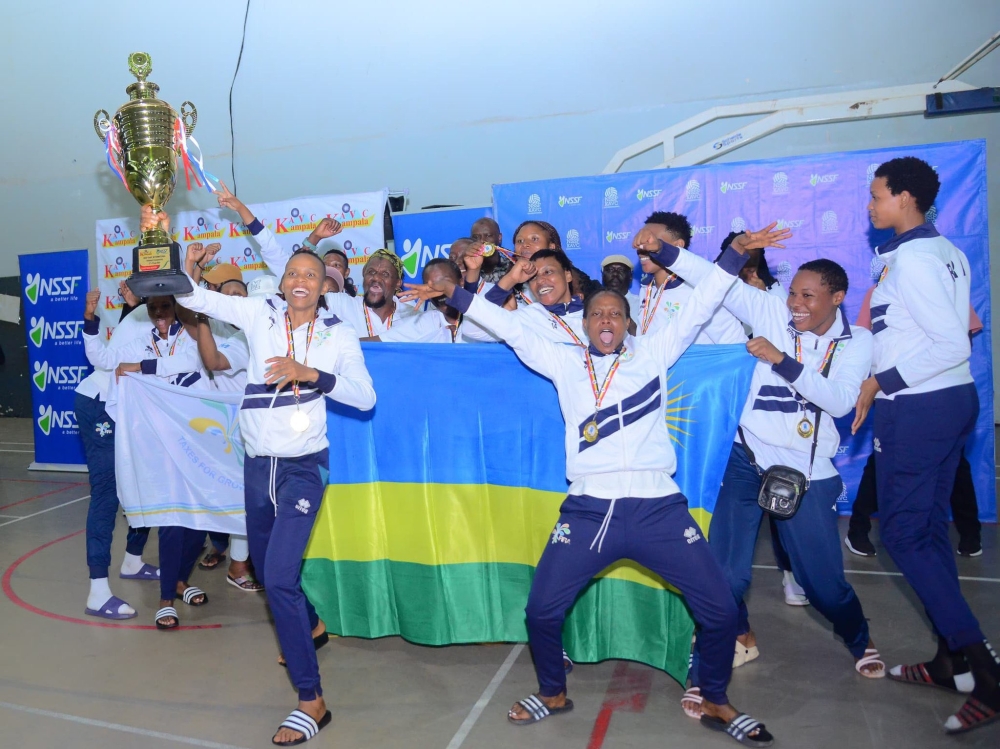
(46, 494)
(38, 481)
(9, 592)
(627, 692)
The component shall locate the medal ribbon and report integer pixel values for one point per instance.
(826, 357)
(368, 320)
(193, 161)
(649, 312)
(172, 346)
(600, 392)
(572, 335)
(291, 349)
(113, 146)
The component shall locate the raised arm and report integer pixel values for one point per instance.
(208, 347)
(670, 341)
(542, 355)
(238, 311)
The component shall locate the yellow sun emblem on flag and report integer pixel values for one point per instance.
(676, 414)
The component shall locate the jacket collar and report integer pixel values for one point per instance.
(925, 231)
(171, 331)
(594, 351)
(560, 309)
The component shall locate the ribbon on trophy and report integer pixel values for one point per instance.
(192, 159)
(113, 147)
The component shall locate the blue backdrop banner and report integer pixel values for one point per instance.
(54, 285)
(420, 237)
(823, 200)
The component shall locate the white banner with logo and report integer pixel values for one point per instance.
(178, 455)
(361, 215)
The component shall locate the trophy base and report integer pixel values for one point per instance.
(156, 271)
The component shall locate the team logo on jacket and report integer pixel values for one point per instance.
(103, 429)
(303, 506)
(560, 535)
(692, 535)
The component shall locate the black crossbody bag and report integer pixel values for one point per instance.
(781, 487)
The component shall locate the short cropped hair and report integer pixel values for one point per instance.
(676, 223)
(913, 175)
(589, 300)
(831, 274)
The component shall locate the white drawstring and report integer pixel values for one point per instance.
(274, 491)
(603, 530)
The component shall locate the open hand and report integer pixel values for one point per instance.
(126, 294)
(424, 292)
(284, 370)
(766, 237)
(764, 350)
(90, 306)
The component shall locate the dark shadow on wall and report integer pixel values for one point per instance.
(15, 384)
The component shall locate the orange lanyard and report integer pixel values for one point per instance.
(600, 392)
(649, 312)
(291, 348)
(172, 346)
(826, 357)
(368, 320)
(568, 329)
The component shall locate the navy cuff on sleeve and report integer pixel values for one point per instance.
(471, 286)
(891, 381)
(732, 262)
(788, 368)
(90, 327)
(148, 366)
(496, 295)
(255, 227)
(666, 256)
(461, 299)
(326, 381)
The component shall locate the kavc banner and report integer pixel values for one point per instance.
(178, 455)
(420, 237)
(291, 221)
(822, 199)
(54, 285)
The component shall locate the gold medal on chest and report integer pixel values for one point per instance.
(804, 428)
(590, 431)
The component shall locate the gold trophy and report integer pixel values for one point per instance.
(142, 143)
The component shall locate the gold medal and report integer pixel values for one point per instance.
(590, 431)
(804, 428)
(488, 249)
(299, 421)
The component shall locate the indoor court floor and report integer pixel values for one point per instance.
(68, 680)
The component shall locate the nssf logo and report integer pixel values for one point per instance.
(64, 330)
(732, 186)
(823, 179)
(564, 201)
(617, 236)
(642, 195)
(45, 375)
(37, 287)
(49, 420)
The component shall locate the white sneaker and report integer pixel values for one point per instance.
(794, 593)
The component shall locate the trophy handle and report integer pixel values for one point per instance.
(189, 116)
(102, 123)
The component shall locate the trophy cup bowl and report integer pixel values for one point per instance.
(144, 147)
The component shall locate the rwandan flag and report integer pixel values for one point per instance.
(442, 498)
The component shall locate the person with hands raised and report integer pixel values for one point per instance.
(619, 463)
(667, 292)
(299, 355)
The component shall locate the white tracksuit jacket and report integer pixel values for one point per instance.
(265, 412)
(920, 315)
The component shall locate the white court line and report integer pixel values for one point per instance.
(118, 727)
(484, 698)
(891, 574)
(42, 512)
(17, 443)
(17, 451)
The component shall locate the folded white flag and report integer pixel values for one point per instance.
(178, 455)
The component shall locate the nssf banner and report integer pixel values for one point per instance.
(822, 199)
(361, 215)
(421, 237)
(54, 285)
